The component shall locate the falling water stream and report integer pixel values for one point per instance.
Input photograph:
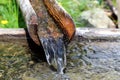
(55, 52)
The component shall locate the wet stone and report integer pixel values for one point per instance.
(85, 61)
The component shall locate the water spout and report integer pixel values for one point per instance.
(53, 31)
(55, 52)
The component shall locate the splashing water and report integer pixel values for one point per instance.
(55, 52)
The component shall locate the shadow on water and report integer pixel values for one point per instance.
(38, 53)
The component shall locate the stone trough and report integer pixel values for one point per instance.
(93, 54)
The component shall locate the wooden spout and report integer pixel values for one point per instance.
(48, 26)
(63, 19)
(30, 19)
(50, 36)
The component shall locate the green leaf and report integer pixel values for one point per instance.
(3, 2)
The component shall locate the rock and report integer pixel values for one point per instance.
(96, 18)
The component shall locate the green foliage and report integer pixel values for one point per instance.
(4, 1)
(8, 14)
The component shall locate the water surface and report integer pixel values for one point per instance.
(85, 61)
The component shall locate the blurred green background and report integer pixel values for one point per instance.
(10, 15)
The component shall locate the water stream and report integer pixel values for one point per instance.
(55, 52)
